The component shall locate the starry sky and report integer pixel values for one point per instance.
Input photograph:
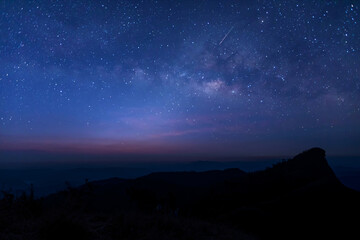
(196, 77)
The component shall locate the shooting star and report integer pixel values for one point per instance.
(226, 35)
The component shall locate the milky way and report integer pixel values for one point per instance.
(219, 77)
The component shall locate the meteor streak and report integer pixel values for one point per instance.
(226, 36)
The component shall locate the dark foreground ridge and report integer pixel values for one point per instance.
(300, 198)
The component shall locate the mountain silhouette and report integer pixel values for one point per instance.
(294, 199)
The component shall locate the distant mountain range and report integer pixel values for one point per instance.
(300, 198)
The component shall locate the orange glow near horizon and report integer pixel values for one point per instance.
(103, 147)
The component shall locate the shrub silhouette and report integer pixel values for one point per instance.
(64, 228)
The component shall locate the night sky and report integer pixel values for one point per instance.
(194, 77)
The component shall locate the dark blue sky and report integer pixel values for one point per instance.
(218, 77)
